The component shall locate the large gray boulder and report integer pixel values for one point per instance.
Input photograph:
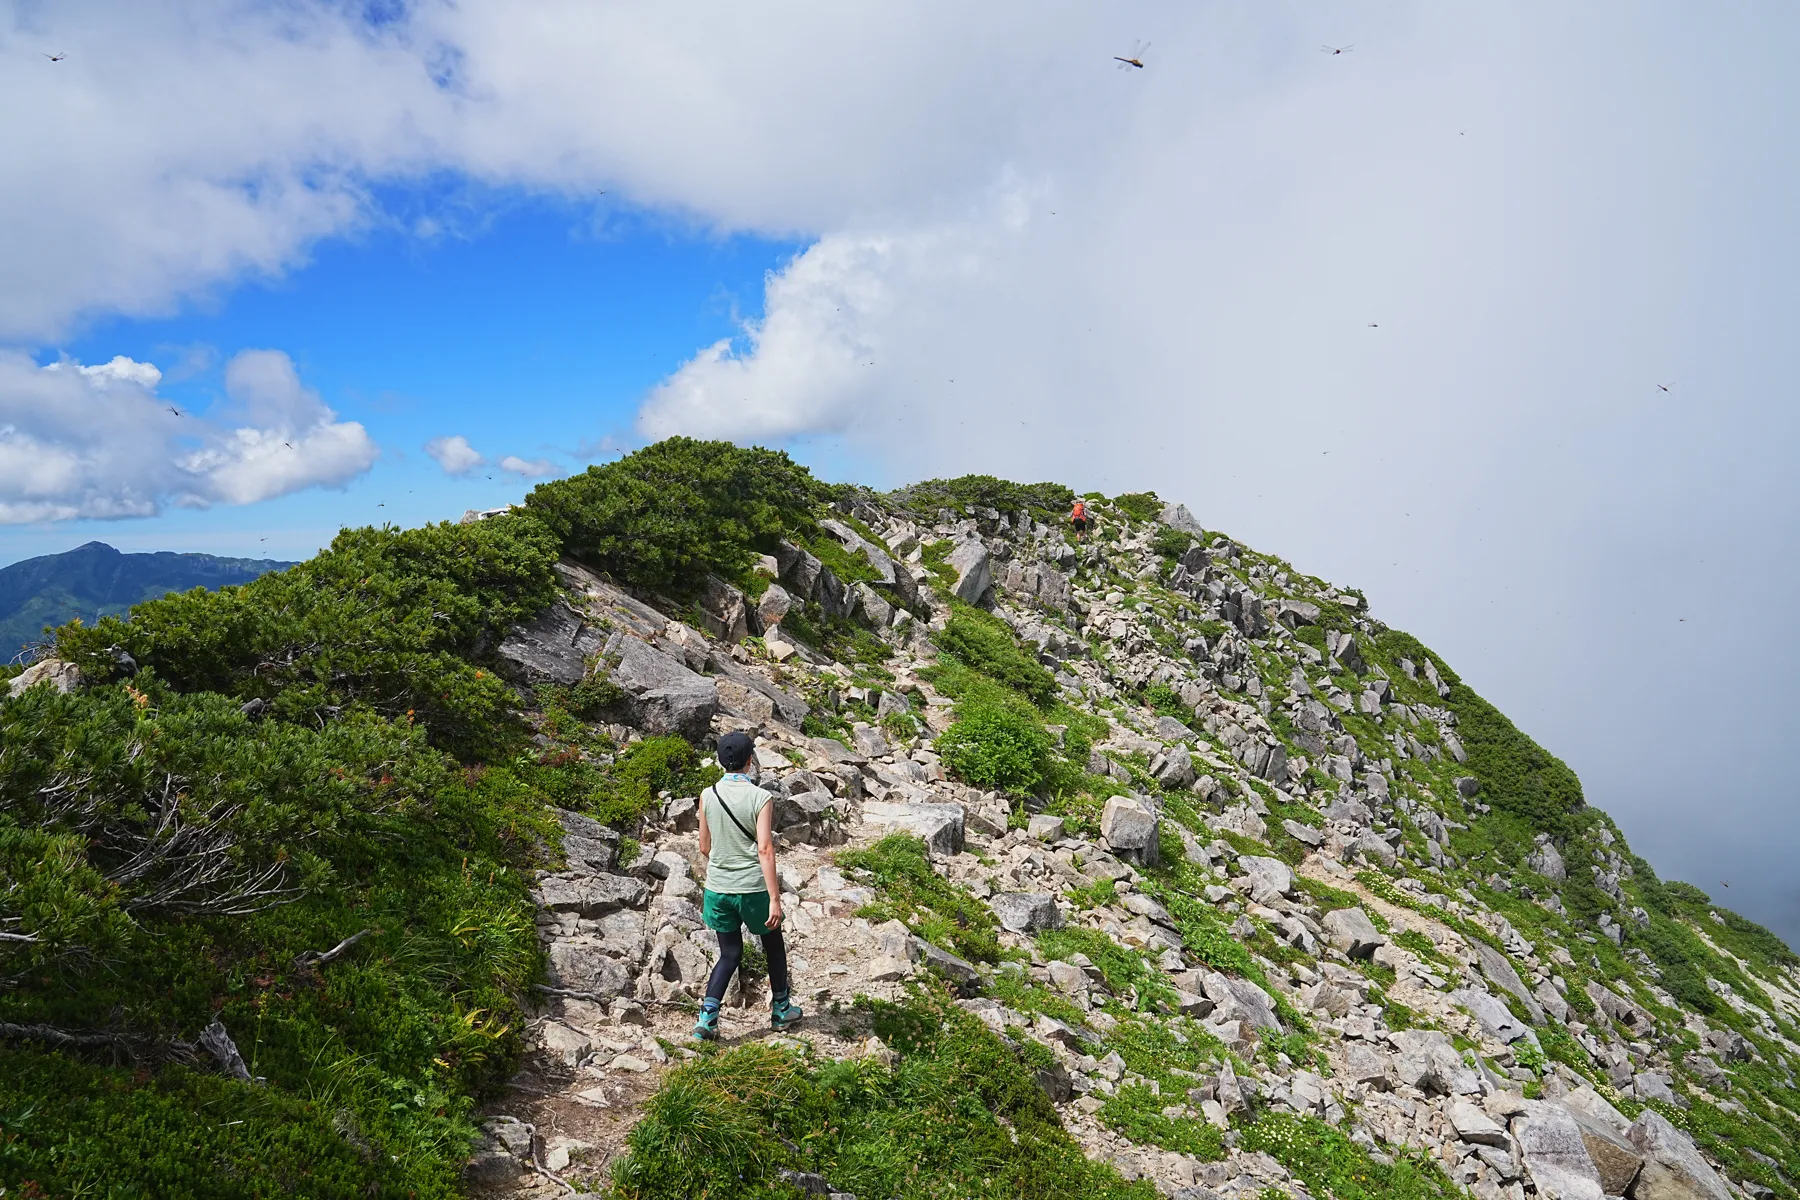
(1350, 930)
(771, 607)
(1551, 1001)
(939, 825)
(1131, 829)
(1585, 1101)
(590, 895)
(1176, 769)
(783, 704)
(63, 677)
(1310, 835)
(1706, 1070)
(1026, 912)
(1673, 1167)
(1365, 1064)
(1240, 1000)
(1494, 1016)
(974, 568)
(815, 817)
(587, 844)
(835, 597)
(584, 965)
(904, 587)
(1546, 861)
(1613, 1155)
(1269, 877)
(1499, 971)
(1626, 1012)
(1177, 516)
(1555, 1154)
(498, 1159)
(1295, 613)
(872, 608)
(1426, 1060)
(662, 695)
(799, 570)
(555, 646)
(1730, 1045)
(1654, 1085)
(1373, 847)
(723, 610)
(959, 972)
(1473, 1125)
(1171, 730)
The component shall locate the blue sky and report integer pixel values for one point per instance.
(1490, 316)
(531, 327)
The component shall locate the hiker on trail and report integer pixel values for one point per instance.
(1078, 517)
(737, 837)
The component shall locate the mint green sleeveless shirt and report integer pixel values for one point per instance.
(733, 867)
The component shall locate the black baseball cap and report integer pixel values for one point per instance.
(734, 750)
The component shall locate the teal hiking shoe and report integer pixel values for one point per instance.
(783, 1013)
(706, 1029)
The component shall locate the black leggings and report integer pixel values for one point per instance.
(731, 953)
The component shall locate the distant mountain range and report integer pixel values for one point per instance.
(96, 580)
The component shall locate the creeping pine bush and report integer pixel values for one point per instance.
(958, 1114)
(984, 644)
(170, 860)
(1171, 543)
(1139, 506)
(1046, 502)
(1166, 702)
(665, 516)
(385, 619)
(1517, 775)
(999, 741)
(623, 791)
(171, 853)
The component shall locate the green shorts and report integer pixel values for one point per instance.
(723, 912)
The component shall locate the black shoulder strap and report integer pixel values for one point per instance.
(732, 815)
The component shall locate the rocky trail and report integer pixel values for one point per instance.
(1304, 820)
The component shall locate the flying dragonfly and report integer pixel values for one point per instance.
(57, 57)
(1136, 59)
(1336, 49)
(1663, 386)
(174, 410)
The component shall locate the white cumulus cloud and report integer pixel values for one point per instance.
(98, 441)
(454, 454)
(529, 468)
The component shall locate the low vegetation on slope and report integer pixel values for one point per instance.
(303, 814)
(958, 1113)
(255, 775)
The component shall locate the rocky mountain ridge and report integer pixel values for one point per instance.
(1261, 875)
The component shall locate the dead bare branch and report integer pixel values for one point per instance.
(217, 1042)
(123, 1044)
(314, 959)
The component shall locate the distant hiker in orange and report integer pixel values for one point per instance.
(1078, 517)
